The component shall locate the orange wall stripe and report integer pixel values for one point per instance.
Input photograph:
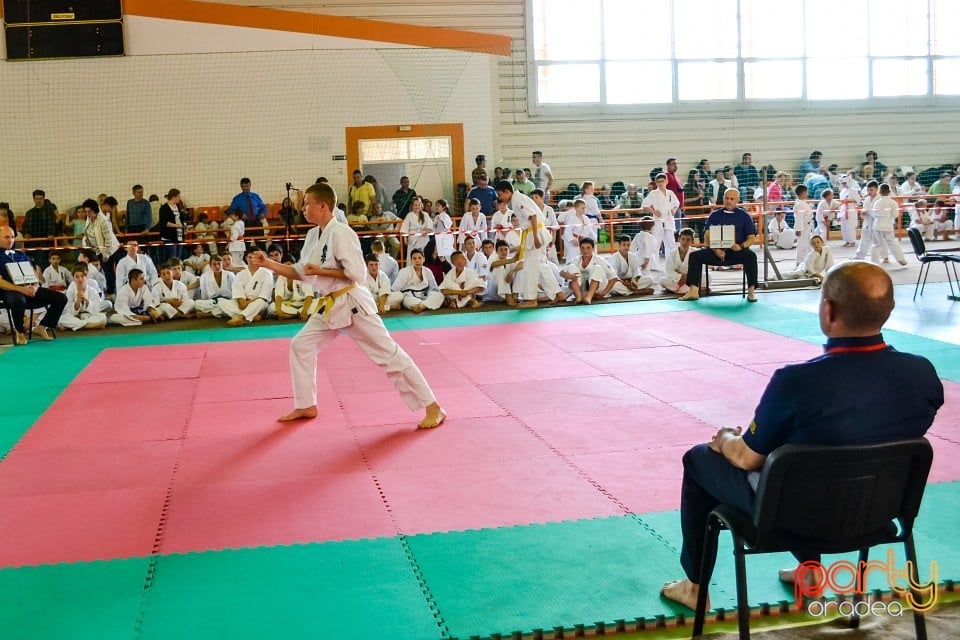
(318, 24)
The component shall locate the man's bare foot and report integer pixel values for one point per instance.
(683, 592)
(42, 333)
(434, 418)
(20, 338)
(811, 576)
(751, 297)
(527, 304)
(692, 294)
(299, 414)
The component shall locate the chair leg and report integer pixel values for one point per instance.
(707, 564)
(857, 595)
(743, 605)
(919, 622)
(925, 275)
(919, 275)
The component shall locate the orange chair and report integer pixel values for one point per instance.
(273, 211)
(214, 213)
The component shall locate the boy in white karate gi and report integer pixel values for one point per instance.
(475, 259)
(56, 277)
(135, 304)
(780, 233)
(804, 223)
(849, 209)
(215, 285)
(885, 212)
(331, 258)
(252, 290)
(502, 273)
(550, 222)
(662, 204)
(827, 210)
(867, 235)
(95, 277)
(199, 261)
(388, 265)
(588, 276)
(172, 298)
(378, 283)
(83, 303)
(646, 247)
(237, 247)
(626, 264)
(818, 261)
(461, 285)
(415, 287)
(678, 263)
(533, 247)
(291, 298)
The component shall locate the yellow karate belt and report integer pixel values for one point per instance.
(523, 240)
(327, 301)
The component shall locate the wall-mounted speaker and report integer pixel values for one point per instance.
(33, 11)
(82, 40)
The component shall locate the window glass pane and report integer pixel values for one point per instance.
(565, 83)
(429, 148)
(946, 77)
(639, 82)
(832, 79)
(707, 80)
(836, 29)
(900, 77)
(637, 30)
(566, 29)
(705, 29)
(772, 79)
(945, 23)
(772, 29)
(898, 27)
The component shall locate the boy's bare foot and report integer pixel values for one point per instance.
(475, 303)
(434, 418)
(682, 592)
(299, 414)
(419, 308)
(235, 321)
(527, 304)
(560, 297)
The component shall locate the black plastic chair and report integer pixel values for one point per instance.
(824, 500)
(927, 258)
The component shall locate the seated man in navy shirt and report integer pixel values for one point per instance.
(810, 404)
(18, 298)
(745, 234)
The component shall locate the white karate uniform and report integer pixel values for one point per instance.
(500, 219)
(97, 279)
(803, 220)
(848, 212)
(388, 265)
(411, 291)
(923, 222)
(177, 291)
(237, 247)
(549, 219)
(593, 207)
(58, 279)
(208, 233)
(355, 312)
(212, 293)
(575, 228)
(885, 211)
(815, 264)
(465, 280)
(676, 271)
(530, 218)
(471, 227)
(197, 265)
(143, 262)
(665, 203)
(781, 234)
(478, 263)
(293, 296)
(628, 269)
(499, 285)
(826, 212)
(867, 234)
(442, 225)
(645, 245)
(379, 287)
(597, 270)
(130, 303)
(89, 313)
(256, 288)
(412, 225)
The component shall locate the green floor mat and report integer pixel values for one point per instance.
(95, 601)
(543, 576)
(358, 589)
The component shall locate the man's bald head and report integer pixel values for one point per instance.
(7, 237)
(860, 296)
(731, 198)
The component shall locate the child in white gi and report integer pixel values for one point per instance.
(461, 285)
(215, 285)
(475, 259)
(199, 262)
(501, 221)
(473, 224)
(135, 304)
(83, 304)
(331, 258)
(818, 261)
(56, 277)
(626, 265)
(576, 225)
(503, 268)
(418, 224)
(867, 239)
(443, 229)
(172, 298)
(388, 265)
(826, 212)
(678, 263)
(803, 223)
(646, 247)
(95, 276)
(206, 230)
(780, 233)
(549, 221)
(849, 205)
(940, 218)
(415, 287)
(237, 247)
(378, 283)
(588, 276)
(662, 204)
(291, 298)
(885, 211)
(252, 290)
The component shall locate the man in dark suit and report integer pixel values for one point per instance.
(19, 298)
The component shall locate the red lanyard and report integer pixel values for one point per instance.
(864, 349)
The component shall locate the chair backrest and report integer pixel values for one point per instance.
(916, 239)
(828, 495)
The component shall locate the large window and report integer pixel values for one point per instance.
(644, 52)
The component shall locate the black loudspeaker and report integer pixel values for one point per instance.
(33, 11)
(82, 40)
